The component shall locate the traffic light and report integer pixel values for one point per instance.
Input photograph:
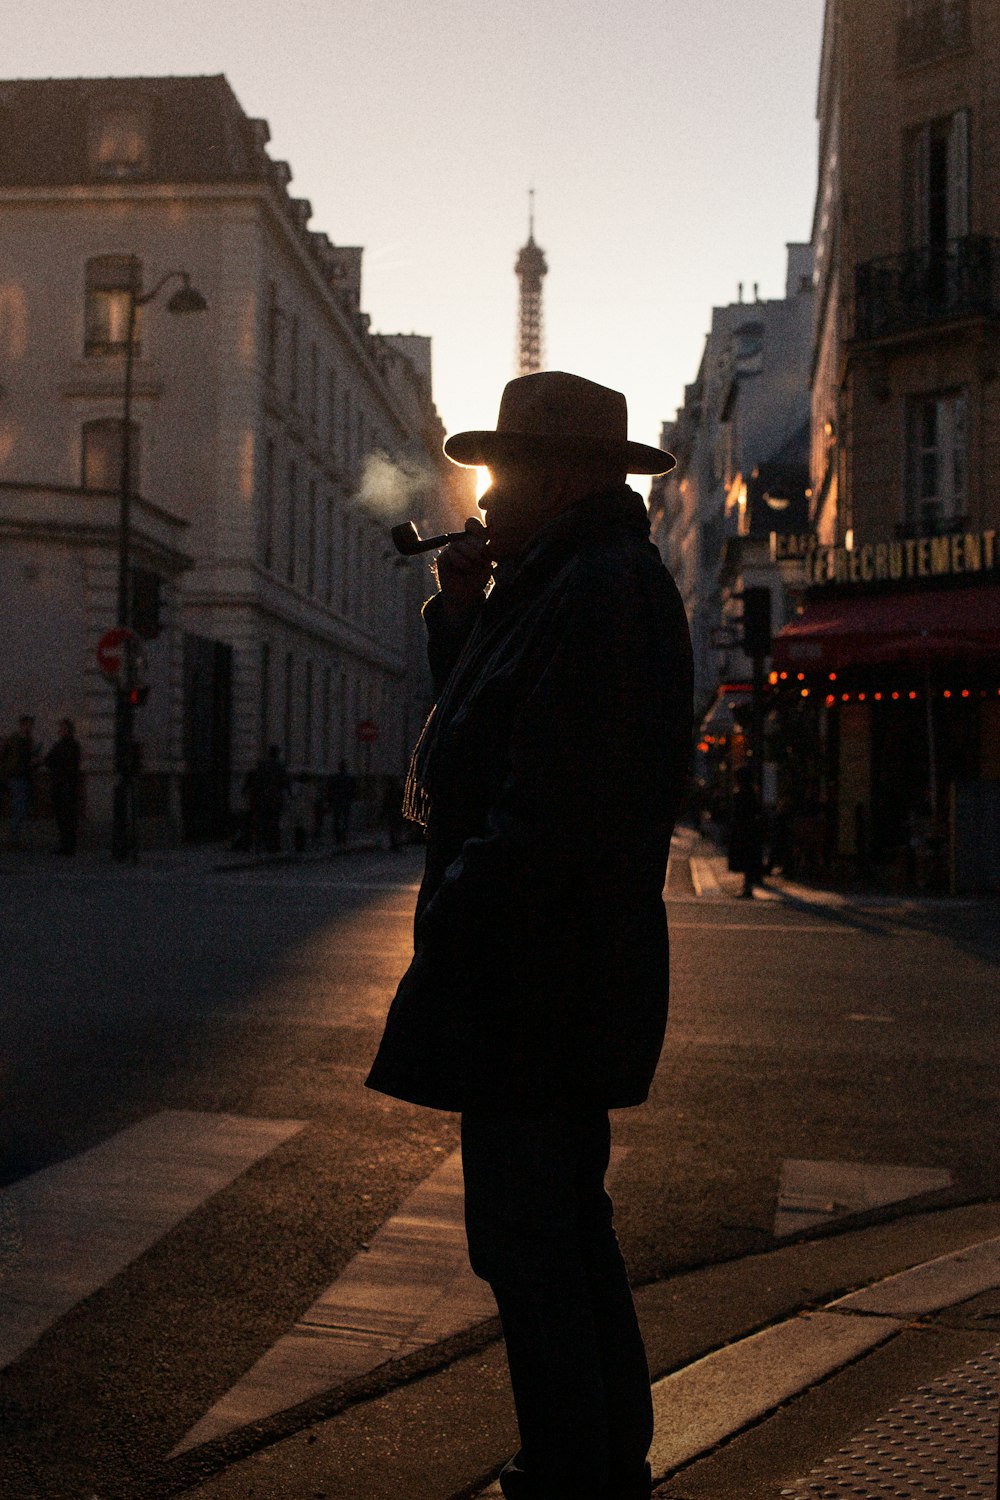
(138, 695)
(757, 621)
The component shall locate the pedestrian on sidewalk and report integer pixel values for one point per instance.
(343, 789)
(18, 764)
(271, 789)
(63, 764)
(548, 779)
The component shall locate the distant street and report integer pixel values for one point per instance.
(799, 1033)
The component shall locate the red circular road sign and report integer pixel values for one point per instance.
(111, 650)
(367, 731)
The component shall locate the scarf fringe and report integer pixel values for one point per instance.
(416, 799)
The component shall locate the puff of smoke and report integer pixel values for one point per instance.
(393, 488)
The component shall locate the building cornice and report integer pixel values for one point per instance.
(256, 194)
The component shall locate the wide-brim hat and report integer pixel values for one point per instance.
(551, 416)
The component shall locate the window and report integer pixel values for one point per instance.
(345, 564)
(748, 348)
(293, 485)
(118, 141)
(938, 193)
(328, 564)
(331, 412)
(110, 280)
(307, 727)
(145, 602)
(293, 361)
(930, 29)
(264, 725)
(271, 331)
(345, 431)
(936, 462)
(289, 671)
(101, 455)
(325, 731)
(267, 548)
(311, 549)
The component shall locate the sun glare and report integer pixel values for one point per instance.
(482, 482)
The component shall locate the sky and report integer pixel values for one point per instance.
(671, 145)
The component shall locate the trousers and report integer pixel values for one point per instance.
(540, 1232)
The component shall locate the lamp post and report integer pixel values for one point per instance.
(186, 299)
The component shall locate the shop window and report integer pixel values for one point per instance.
(119, 143)
(111, 281)
(101, 454)
(936, 462)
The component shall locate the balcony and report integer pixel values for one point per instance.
(935, 284)
(931, 29)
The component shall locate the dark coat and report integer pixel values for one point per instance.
(540, 961)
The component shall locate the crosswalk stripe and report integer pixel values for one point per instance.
(80, 1222)
(818, 1192)
(412, 1287)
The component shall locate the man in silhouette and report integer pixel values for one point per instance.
(548, 778)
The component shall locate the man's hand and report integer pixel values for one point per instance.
(463, 571)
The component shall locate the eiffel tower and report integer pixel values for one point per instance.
(529, 268)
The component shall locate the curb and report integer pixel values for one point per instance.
(705, 1403)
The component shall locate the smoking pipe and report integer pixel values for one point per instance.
(407, 539)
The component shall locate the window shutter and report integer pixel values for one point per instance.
(958, 175)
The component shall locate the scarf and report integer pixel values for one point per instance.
(523, 589)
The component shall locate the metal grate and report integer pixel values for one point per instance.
(940, 1442)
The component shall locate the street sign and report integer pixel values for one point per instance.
(120, 656)
(367, 731)
(111, 651)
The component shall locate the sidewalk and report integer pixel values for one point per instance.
(859, 1364)
(713, 880)
(185, 859)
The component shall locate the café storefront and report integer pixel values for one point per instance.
(896, 653)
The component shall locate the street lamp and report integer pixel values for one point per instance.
(186, 299)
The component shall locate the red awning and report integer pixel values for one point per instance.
(904, 630)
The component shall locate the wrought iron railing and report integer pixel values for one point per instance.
(935, 284)
(929, 29)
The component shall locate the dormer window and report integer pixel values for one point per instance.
(748, 348)
(119, 143)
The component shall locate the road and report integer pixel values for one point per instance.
(171, 994)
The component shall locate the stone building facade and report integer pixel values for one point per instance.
(900, 630)
(274, 437)
(741, 442)
(906, 414)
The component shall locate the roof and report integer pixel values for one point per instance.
(196, 131)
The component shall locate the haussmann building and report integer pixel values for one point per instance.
(273, 435)
(896, 646)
